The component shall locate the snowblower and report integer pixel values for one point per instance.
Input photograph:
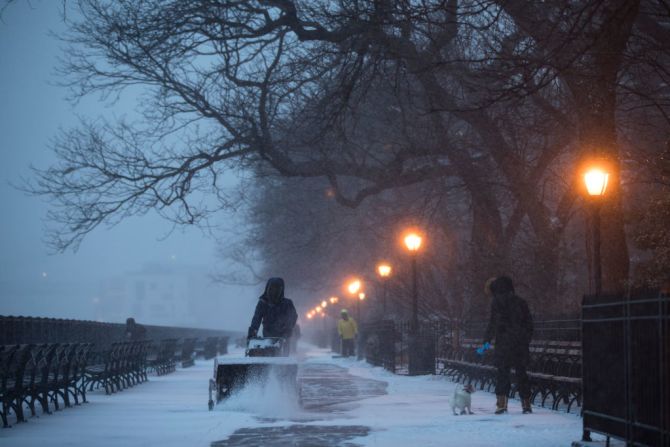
(263, 357)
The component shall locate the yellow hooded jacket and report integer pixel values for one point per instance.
(347, 329)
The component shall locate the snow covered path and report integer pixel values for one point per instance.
(346, 403)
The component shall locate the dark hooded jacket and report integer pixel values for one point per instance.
(135, 331)
(278, 317)
(510, 326)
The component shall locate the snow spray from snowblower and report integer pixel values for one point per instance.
(265, 364)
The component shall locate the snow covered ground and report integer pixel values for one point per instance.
(346, 402)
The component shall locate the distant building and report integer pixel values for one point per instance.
(161, 294)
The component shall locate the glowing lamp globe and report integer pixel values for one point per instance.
(413, 242)
(596, 182)
(384, 270)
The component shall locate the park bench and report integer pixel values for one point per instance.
(101, 372)
(161, 360)
(222, 346)
(122, 366)
(47, 374)
(187, 352)
(209, 348)
(11, 358)
(554, 371)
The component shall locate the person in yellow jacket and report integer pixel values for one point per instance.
(347, 329)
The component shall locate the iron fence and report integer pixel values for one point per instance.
(626, 372)
(390, 342)
(448, 347)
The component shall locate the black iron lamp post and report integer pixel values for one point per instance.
(413, 241)
(384, 272)
(596, 184)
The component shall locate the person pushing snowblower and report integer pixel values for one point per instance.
(276, 312)
(264, 356)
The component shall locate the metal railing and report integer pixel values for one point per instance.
(448, 347)
(627, 367)
(25, 330)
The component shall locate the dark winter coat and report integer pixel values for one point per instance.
(135, 331)
(511, 328)
(278, 317)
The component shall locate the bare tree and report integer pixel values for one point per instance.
(505, 98)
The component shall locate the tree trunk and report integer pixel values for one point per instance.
(545, 299)
(593, 85)
(489, 257)
(597, 137)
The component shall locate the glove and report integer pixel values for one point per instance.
(252, 333)
(485, 347)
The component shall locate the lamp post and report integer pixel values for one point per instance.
(384, 271)
(413, 241)
(325, 330)
(596, 180)
(361, 297)
(354, 287)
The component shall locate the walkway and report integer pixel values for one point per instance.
(345, 403)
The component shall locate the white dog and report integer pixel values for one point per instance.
(462, 399)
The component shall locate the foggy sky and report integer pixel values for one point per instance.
(34, 283)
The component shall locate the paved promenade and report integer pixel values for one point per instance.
(344, 403)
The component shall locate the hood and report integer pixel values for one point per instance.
(502, 286)
(277, 286)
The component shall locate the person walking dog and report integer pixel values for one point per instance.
(511, 328)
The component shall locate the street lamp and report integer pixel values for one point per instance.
(333, 299)
(361, 297)
(596, 180)
(324, 303)
(413, 241)
(354, 288)
(384, 271)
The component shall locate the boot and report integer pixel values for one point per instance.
(501, 403)
(525, 405)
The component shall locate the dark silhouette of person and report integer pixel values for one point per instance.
(274, 311)
(135, 331)
(511, 326)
